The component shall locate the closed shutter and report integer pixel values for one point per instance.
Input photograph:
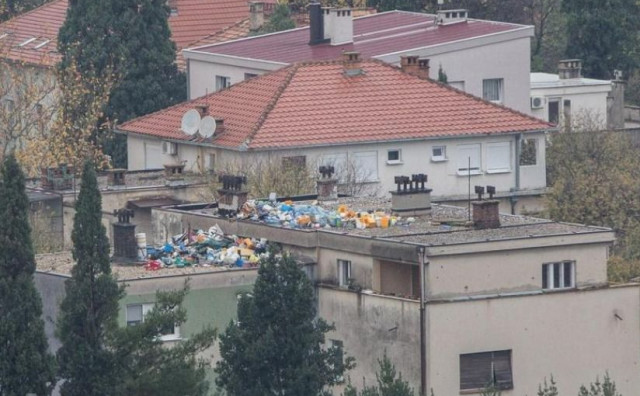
(502, 369)
(366, 166)
(499, 157)
(153, 157)
(475, 370)
(468, 153)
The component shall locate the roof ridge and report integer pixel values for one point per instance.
(217, 32)
(272, 104)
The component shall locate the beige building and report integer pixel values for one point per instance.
(511, 304)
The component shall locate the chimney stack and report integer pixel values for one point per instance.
(412, 197)
(486, 213)
(256, 15)
(412, 64)
(352, 63)
(124, 236)
(203, 109)
(338, 25)
(570, 68)
(447, 17)
(316, 24)
(327, 185)
(231, 195)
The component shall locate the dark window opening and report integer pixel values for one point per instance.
(481, 370)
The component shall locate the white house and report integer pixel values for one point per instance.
(371, 120)
(487, 59)
(560, 98)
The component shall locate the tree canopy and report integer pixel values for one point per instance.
(276, 345)
(389, 382)
(26, 366)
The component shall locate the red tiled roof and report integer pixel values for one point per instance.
(42, 24)
(310, 104)
(374, 35)
(195, 20)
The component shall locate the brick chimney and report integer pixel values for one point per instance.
(203, 109)
(352, 63)
(327, 185)
(411, 198)
(570, 68)
(231, 196)
(486, 213)
(256, 15)
(124, 236)
(415, 66)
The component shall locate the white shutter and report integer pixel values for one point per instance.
(153, 156)
(498, 157)
(465, 153)
(366, 166)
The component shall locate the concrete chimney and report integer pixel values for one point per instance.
(327, 185)
(337, 25)
(447, 17)
(125, 247)
(316, 24)
(256, 15)
(414, 65)
(352, 63)
(411, 198)
(231, 196)
(570, 68)
(486, 213)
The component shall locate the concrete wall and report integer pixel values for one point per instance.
(572, 335)
(444, 178)
(585, 100)
(368, 325)
(511, 271)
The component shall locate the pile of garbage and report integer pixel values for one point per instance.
(290, 215)
(210, 248)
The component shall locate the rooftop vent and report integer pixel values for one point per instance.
(231, 196)
(486, 213)
(411, 197)
(570, 68)
(352, 63)
(447, 17)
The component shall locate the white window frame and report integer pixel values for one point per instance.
(523, 142)
(146, 308)
(222, 82)
(564, 270)
(344, 272)
(499, 90)
(462, 160)
(498, 165)
(440, 157)
(396, 161)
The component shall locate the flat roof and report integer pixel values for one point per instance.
(373, 35)
(550, 80)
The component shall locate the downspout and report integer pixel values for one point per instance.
(422, 260)
(188, 83)
(512, 198)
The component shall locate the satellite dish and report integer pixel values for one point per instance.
(190, 122)
(207, 126)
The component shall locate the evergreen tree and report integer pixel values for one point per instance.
(131, 39)
(442, 75)
(88, 313)
(150, 368)
(25, 364)
(279, 20)
(549, 389)
(599, 34)
(605, 388)
(275, 347)
(389, 382)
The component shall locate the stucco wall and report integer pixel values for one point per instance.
(368, 325)
(511, 271)
(574, 336)
(586, 101)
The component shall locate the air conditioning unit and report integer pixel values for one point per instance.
(170, 148)
(537, 102)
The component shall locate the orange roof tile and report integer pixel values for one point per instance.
(315, 103)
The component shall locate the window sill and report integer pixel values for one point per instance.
(558, 289)
(439, 159)
(395, 162)
(479, 390)
(466, 173)
(493, 171)
(170, 338)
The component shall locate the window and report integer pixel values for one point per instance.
(339, 346)
(560, 275)
(457, 85)
(136, 314)
(554, 111)
(248, 76)
(339, 163)
(468, 159)
(394, 157)
(528, 151)
(294, 163)
(222, 82)
(498, 157)
(211, 164)
(479, 370)
(438, 153)
(344, 272)
(365, 166)
(492, 90)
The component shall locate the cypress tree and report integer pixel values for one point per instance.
(88, 313)
(130, 38)
(275, 347)
(25, 364)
